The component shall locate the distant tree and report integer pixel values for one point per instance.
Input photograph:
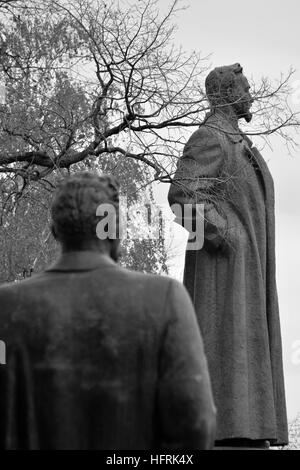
(94, 84)
(8, 3)
(27, 245)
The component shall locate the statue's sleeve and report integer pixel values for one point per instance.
(187, 414)
(198, 180)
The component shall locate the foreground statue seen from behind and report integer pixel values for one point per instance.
(232, 278)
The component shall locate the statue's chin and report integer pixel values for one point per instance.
(248, 117)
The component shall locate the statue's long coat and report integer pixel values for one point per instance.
(100, 357)
(232, 279)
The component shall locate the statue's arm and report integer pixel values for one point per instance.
(185, 402)
(198, 180)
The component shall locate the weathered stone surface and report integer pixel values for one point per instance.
(232, 278)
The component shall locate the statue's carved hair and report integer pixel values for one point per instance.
(219, 81)
(75, 204)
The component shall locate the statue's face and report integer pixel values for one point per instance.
(241, 98)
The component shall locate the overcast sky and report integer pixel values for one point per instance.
(264, 37)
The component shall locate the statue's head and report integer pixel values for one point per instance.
(74, 212)
(228, 86)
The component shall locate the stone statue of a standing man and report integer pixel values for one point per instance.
(232, 278)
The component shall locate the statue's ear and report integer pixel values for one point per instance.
(52, 228)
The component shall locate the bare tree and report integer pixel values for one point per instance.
(90, 78)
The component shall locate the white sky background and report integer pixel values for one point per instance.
(264, 36)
